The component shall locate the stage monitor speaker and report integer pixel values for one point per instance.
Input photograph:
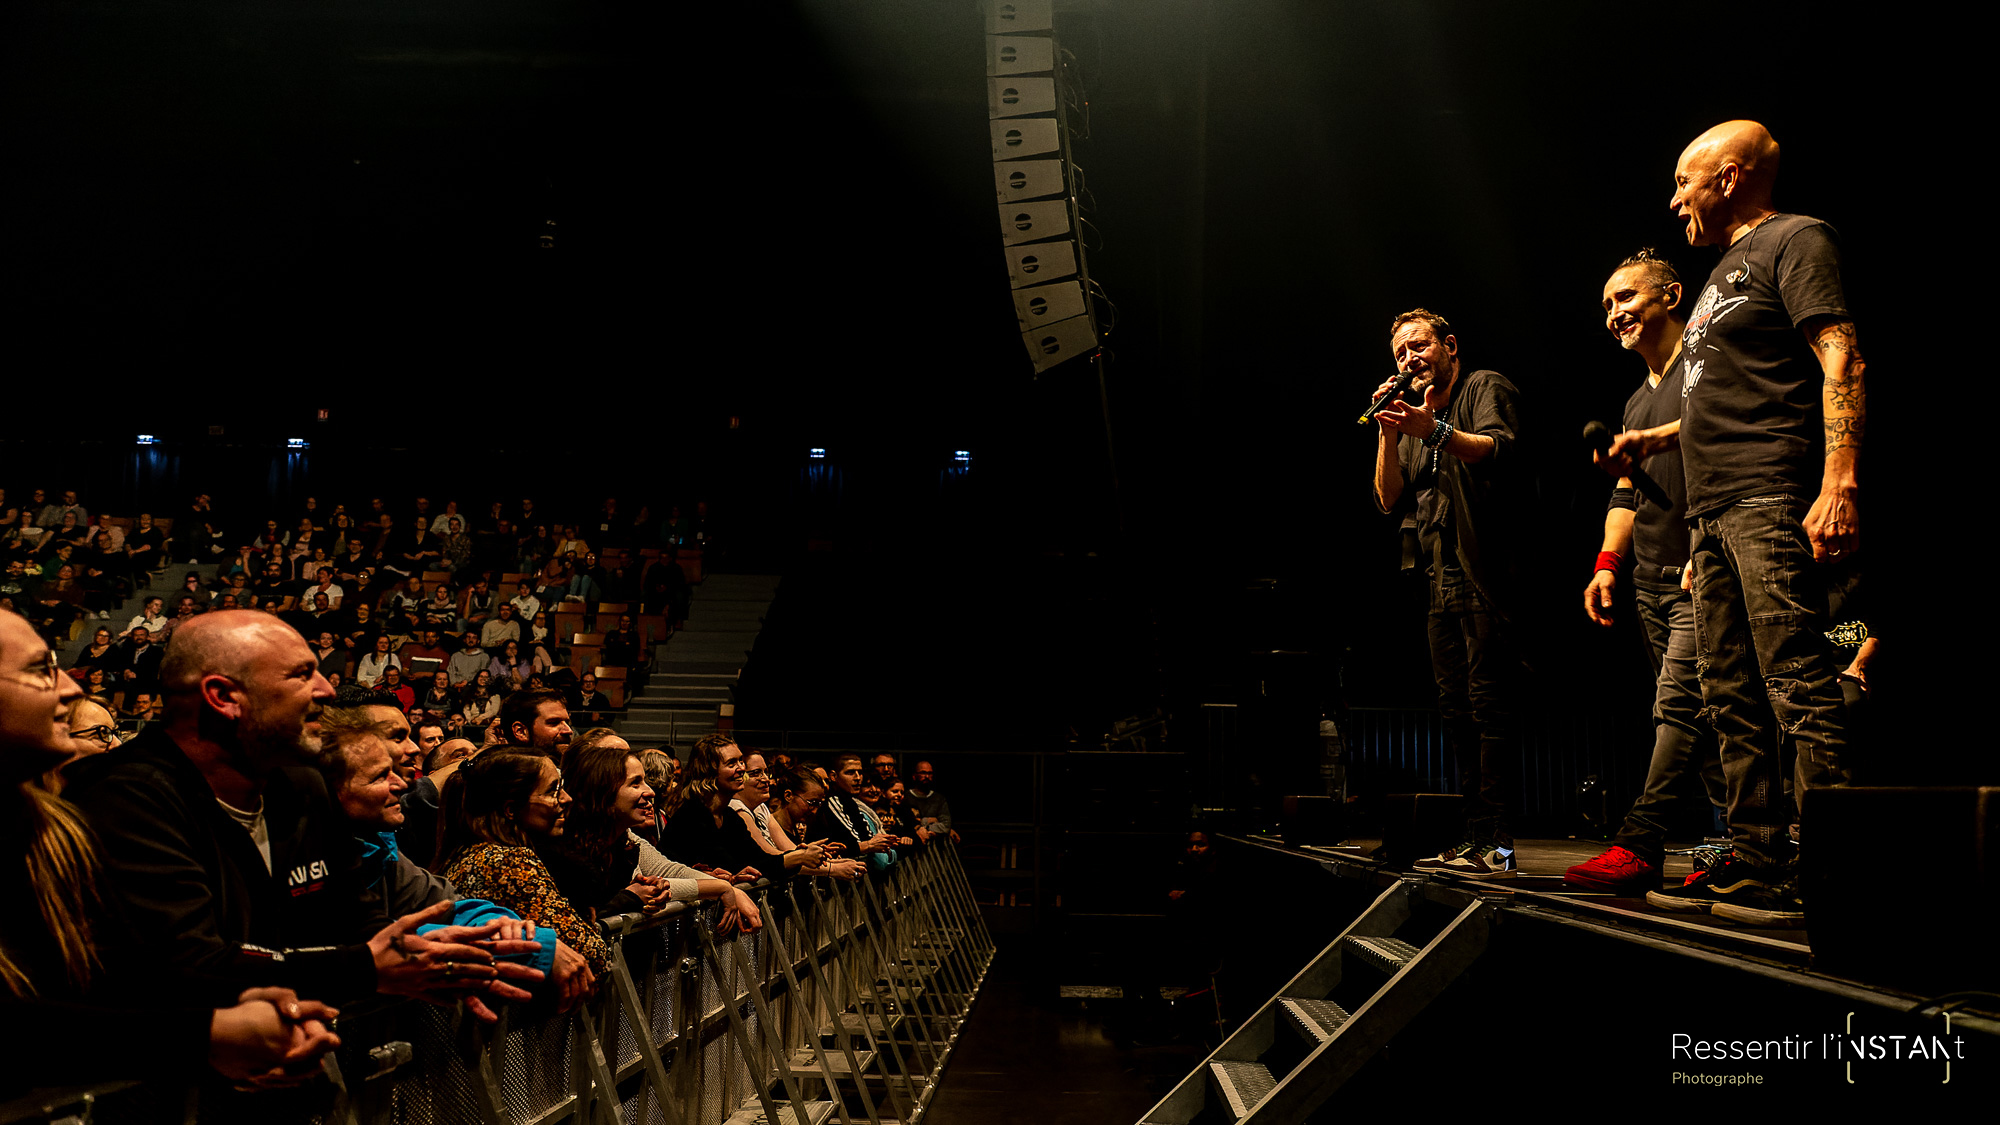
(1902, 886)
(1039, 263)
(1313, 820)
(1024, 136)
(1420, 825)
(1006, 16)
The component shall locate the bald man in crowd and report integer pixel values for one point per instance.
(1772, 421)
(224, 853)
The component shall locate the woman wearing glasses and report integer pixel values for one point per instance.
(495, 810)
(752, 804)
(797, 795)
(601, 865)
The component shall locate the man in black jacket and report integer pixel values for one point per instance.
(222, 851)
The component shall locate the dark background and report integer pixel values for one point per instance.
(238, 214)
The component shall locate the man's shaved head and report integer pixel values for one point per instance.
(1746, 144)
(244, 681)
(1723, 181)
(226, 642)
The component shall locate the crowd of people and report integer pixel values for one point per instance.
(270, 848)
(357, 574)
(421, 616)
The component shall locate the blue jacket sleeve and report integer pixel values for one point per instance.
(478, 912)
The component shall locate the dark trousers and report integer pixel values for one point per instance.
(1479, 674)
(1768, 675)
(1683, 743)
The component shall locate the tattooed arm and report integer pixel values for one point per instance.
(1834, 522)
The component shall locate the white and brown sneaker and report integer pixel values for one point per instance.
(1483, 861)
(1446, 856)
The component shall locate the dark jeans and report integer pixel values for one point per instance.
(1682, 738)
(1479, 673)
(1768, 674)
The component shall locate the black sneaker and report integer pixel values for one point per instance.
(1725, 882)
(1777, 907)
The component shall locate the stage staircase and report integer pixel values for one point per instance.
(1322, 1026)
(695, 672)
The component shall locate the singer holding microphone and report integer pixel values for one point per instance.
(1450, 465)
(1645, 527)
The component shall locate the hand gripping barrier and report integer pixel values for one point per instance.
(844, 1008)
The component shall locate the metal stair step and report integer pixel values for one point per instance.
(1385, 953)
(855, 1024)
(752, 1113)
(1316, 1019)
(836, 1061)
(1241, 1084)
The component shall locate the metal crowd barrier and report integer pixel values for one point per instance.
(843, 1008)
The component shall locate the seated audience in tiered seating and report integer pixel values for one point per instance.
(511, 669)
(139, 668)
(501, 629)
(369, 669)
(468, 661)
(589, 705)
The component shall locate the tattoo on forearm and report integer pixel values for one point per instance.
(1846, 407)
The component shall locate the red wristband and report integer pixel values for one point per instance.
(1610, 560)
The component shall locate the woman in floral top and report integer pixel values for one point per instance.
(495, 808)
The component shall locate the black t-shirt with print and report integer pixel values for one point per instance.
(1751, 424)
(1659, 535)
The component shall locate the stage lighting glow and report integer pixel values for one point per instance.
(148, 439)
(816, 453)
(297, 443)
(962, 456)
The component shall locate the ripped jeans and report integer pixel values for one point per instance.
(1769, 677)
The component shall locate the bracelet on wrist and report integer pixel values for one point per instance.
(1440, 435)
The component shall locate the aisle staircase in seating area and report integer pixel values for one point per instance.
(1288, 1059)
(695, 672)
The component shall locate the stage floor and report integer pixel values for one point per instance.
(1541, 863)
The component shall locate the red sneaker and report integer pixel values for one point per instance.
(1617, 871)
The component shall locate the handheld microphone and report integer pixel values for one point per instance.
(1394, 392)
(1597, 436)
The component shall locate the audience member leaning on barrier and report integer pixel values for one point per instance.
(847, 821)
(223, 851)
(598, 862)
(358, 762)
(797, 795)
(700, 829)
(496, 808)
(65, 974)
(751, 804)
